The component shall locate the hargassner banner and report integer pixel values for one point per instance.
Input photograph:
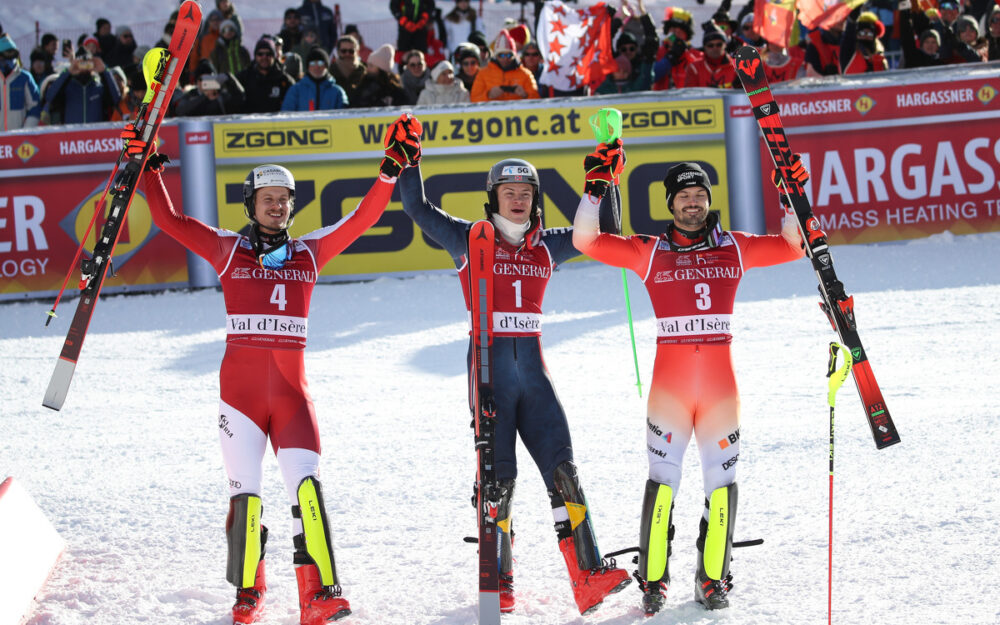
(51, 180)
(897, 161)
(335, 160)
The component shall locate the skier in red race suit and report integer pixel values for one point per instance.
(691, 272)
(525, 398)
(267, 281)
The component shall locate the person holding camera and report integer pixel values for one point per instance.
(84, 93)
(504, 78)
(19, 100)
(213, 94)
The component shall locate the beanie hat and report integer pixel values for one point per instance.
(520, 34)
(625, 38)
(870, 21)
(466, 50)
(122, 30)
(441, 68)
(930, 33)
(966, 21)
(228, 24)
(6, 43)
(318, 54)
(479, 39)
(265, 43)
(682, 176)
(713, 33)
(503, 43)
(89, 39)
(679, 18)
(102, 21)
(382, 58)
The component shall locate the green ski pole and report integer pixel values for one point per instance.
(837, 377)
(607, 126)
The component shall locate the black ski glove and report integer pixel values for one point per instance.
(156, 161)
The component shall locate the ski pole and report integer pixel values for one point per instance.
(837, 377)
(607, 126)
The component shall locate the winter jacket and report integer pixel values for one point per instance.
(641, 79)
(493, 76)
(71, 101)
(230, 57)
(823, 52)
(350, 82)
(413, 85)
(19, 102)
(321, 18)
(310, 94)
(264, 93)
(435, 93)
(457, 32)
(381, 89)
(195, 104)
(708, 73)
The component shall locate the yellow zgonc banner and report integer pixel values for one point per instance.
(335, 160)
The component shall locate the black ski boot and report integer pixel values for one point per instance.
(712, 593)
(654, 594)
(713, 581)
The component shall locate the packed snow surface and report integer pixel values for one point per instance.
(130, 472)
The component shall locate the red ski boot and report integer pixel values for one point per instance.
(506, 593)
(250, 601)
(591, 587)
(318, 604)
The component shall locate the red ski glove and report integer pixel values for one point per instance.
(402, 145)
(603, 167)
(796, 172)
(133, 145)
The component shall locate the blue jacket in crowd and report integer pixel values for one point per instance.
(82, 102)
(310, 94)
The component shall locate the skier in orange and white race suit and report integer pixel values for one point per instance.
(267, 281)
(691, 272)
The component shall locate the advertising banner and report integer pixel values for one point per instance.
(51, 183)
(336, 160)
(898, 162)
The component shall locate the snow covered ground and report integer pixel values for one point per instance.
(131, 475)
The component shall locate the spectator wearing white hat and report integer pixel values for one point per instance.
(443, 87)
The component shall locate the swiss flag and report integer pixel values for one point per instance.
(824, 13)
(773, 20)
(575, 44)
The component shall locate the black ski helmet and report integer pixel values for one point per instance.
(266, 176)
(682, 176)
(513, 170)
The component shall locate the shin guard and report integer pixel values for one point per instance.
(656, 532)
(715, 538)
(504, 522)
(315, 543)
(245, 537)
(568, 486)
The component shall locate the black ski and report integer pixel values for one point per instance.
(838, 306)
(122, 190)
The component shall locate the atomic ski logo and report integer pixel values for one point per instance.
(986, 93)
(864, 104)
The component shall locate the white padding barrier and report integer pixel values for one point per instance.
(29, 549)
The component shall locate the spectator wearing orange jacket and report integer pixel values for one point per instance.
(504, 78)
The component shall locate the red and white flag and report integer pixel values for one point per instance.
(824, 13)
(575, 45)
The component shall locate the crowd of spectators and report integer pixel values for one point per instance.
(443, 55)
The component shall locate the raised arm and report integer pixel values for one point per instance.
(402, 148)
(211, 244)
(603, 168)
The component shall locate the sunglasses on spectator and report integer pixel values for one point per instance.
(531, 54)
(995, 19)
(317, 63)
(127, 36)
(415, 64)
(8, 54)
(747, 27)
(264, 53)
(346, 51)
(713, 45)
(469, 62)
(505, 55)
(628, 48)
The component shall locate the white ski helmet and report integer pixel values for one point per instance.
(265, 176)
